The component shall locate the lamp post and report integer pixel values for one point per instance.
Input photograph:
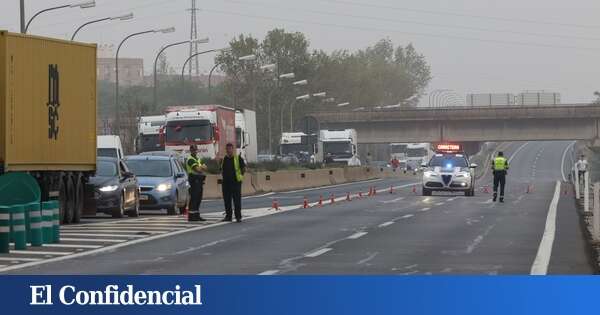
(196, 41)
(296, 83)
(121, 18)
(242, 58)
(82, 5)
(117, 116)
(285, 76)
(303, 97)
(190, 59)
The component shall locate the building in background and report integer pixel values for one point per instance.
(131, 70)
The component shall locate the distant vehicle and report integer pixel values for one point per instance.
(449, 170)
(340, 145)
(290, 159)
(266, 157)
(210, 127)
(115, 188)
(380, 164)
(162, 180)
(299, 144)
(417, 154)
(245, 134)
(110, 146)
(148, 138)
(398, 151)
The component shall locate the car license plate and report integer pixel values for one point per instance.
(143, 197)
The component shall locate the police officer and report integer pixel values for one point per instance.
(499, 168)
(233, 168)
(195, 170)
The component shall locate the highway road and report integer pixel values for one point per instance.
(402, 233)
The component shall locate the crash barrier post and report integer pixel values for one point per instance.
(596, 213)
(47, 228)
(586, 192)
(17, 225)
(35, 224)
(55, 223)
(4, 229)
(576, 177)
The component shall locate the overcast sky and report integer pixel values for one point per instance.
(471, 45)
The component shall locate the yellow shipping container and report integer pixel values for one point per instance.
(47, 104)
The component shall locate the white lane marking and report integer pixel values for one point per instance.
(479, 239)
(452, 199)
(562, 161)
(100, 235)
(424, 209)
(318, 252)
(332, 186)
(91, 240)
(269, 273)
(71, 246)
(125, 228)
(357, 235)
(516, 152)
(439, 204)
(122, 232)
(542, 259)
(19, 259)
(407, 216)
(35, 252)
(393, 200)
(382, 225)
(366, 260)
(256, 196)
(203, 246)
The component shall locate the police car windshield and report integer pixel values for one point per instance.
(448, 161)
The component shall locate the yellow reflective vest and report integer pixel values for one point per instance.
(500, 164)
(239, 177)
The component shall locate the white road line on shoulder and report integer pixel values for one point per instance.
(35, 252)
(407, 216)
(72, 246)
(124, 232)
(542, 259)
(318, 252)
(357, 235)
(424, 209)
(19, 259)
(393, 200)
(101, 235)
(269, 273)
(562, 161)
(331, 186)
(382, 225)
(439, 204)
(516, 152)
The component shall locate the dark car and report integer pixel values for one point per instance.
(163, 182)
(116, 189)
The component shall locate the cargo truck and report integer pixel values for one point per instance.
(245, 134)
(210, 127)
(341, 145)
(148, 138)
(48, 116)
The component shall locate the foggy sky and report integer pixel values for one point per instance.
(471, 45)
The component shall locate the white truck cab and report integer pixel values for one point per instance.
(110, 146)
(339, 145)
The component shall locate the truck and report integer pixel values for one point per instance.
(48, 115)
(109, 146)
(417, 154)
(210, 127)
(298, 144)
(490, 99)
(398, 151)
(340, 145)
(245, 135)
(148, 138)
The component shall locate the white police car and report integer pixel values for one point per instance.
(449, 170)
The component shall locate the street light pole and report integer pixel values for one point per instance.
(188, 61)
(117, 115)
(122, 18)
(199, 41)
(82, 5)
(22, 6)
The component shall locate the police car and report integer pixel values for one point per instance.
(449, 170)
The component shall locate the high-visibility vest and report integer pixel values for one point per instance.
(500, 164)
(236, 166)
(190, 169)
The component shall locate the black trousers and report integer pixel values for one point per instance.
(196, 191)
(499, 180)
(232, 191)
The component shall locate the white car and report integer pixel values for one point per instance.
(449, 172)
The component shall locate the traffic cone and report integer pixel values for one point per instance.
(414, 189)
(360, 196)
(370, 192)
(391, 189)
(529, 189)
(486, 189)
(374, 191)
(320, 204)
(348, 197)
(275, 205)
(305, 204)
(332, 197)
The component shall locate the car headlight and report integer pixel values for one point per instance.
(163, 187)
(109, 188)
(430, 174)
(463, 175)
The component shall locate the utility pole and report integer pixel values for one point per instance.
(193, 36)
(23, 16)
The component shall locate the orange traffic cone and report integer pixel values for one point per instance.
(332, 197)
(275, 205)
(486, 189)
(374, 191)
(529, 189)
(414, 189)
(348, 197)
(320, 204)
(305, 204)
(391, 189)
(370, 192)
(360, 196)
